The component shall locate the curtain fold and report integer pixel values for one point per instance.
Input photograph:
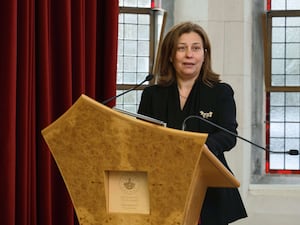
(51, 52)
(25, 115)
(109, 44)
(8, 84)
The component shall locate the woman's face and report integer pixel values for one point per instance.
(189, 56)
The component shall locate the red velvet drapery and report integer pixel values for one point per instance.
(51, 52)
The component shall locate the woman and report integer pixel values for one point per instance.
(186, 85)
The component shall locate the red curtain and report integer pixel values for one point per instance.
(51, 52)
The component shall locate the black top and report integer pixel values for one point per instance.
(216, 104)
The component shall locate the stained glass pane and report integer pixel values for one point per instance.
(278, 50)
(143, 64)
(278, 34)
(277, 161)
(277, 66)
(293, 34)
(129, 64)
(291, 130)
(277, 99)
(277, 130)
(276, 113)
(128, 103)
(130, 48)
(143, 48)
(292, 4)
(135, 3)
(293, 21)
(130, 32)
(292, 80)
(143, 32)
(130, 18)
(285, 4)
(293, 66)
(293, 50)
(278, 21)
(278, 4)
(292, 114)
(292, 99)
(285, 64)
(278, 80)
(284, 129)
(129, 78)
(144, 19)
(276, 144)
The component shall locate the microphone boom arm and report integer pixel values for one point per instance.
(290, 152)
(148, 78)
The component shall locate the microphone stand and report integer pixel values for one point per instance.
(148, 78)
(139, 116)
(290, 152)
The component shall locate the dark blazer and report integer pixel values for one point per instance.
(216, 104)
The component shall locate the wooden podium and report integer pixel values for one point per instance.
(120, 170)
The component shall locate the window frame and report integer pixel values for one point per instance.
(133, 10)
(267, 22)
(154, 42)
(268, 63)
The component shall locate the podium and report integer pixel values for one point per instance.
(120, 170)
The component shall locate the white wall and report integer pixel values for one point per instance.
(229, 26)
(229, 30)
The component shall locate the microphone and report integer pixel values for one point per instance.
(148, 78)
(139, 116)
(290, 152)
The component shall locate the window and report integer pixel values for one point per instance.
(140, 28)
(282, 80)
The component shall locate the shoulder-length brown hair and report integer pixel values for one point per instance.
(166, 71)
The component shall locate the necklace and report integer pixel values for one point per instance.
(185, 97)
(185, 91)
